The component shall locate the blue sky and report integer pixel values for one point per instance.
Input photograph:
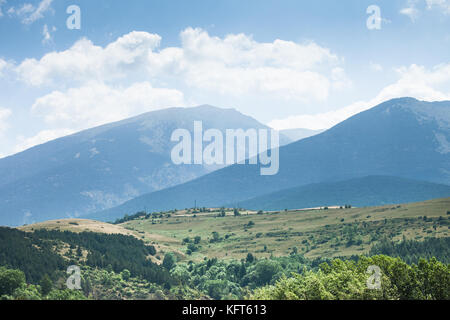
(289, 64)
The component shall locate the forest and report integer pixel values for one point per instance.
(33, 266)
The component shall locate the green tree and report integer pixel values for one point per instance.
(216, 236)
(265, 270)
(10, 280)
(125, 274)
(46, 285)
(169, 261)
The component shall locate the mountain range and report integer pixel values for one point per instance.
(402, 137)
(105, 166)
(125, 167)
(358, 192)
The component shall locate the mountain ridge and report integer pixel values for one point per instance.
(394, 138)
(360, 192)
(101, 167)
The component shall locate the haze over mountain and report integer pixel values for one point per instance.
(359, 192)
(401, 137)
(300, 133)
(104, 166)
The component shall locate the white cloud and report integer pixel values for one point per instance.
(97, 103)
(29, 13)
(86, 62)
(94, 104)
(233, 65)
(411, 12)
(4, 66)
(414, 81)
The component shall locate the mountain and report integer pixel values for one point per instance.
(359, 192)
(401, 137)
(102, 167)
(300, 133)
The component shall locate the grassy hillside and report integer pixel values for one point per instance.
(317, 232)
(321, 232)
(77, 225)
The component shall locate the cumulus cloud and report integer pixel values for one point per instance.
(233, 65)
(4, 66)
(29, 13)
(97, 103)
(85, 61)
(414, 81)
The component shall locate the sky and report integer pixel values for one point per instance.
(287, 63)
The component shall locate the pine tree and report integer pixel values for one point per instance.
(46, 285)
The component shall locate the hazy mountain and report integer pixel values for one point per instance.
(102, 167)
(359, 192)
(300, 133)
(401, 137)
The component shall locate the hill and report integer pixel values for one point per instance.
(315, 233)
(223, 256)
(401, 137)
(102, 167)
(359, 192)
(77, 226)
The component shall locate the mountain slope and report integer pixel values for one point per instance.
(401, 137)
(360, 192)
(104, 166)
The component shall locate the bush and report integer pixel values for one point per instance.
(169, 261)
(10, 280)
(192, 247)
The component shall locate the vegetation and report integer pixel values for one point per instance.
(412, 251)
(315, 233)
(44, 251)
(255, 255)
(340, 280)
